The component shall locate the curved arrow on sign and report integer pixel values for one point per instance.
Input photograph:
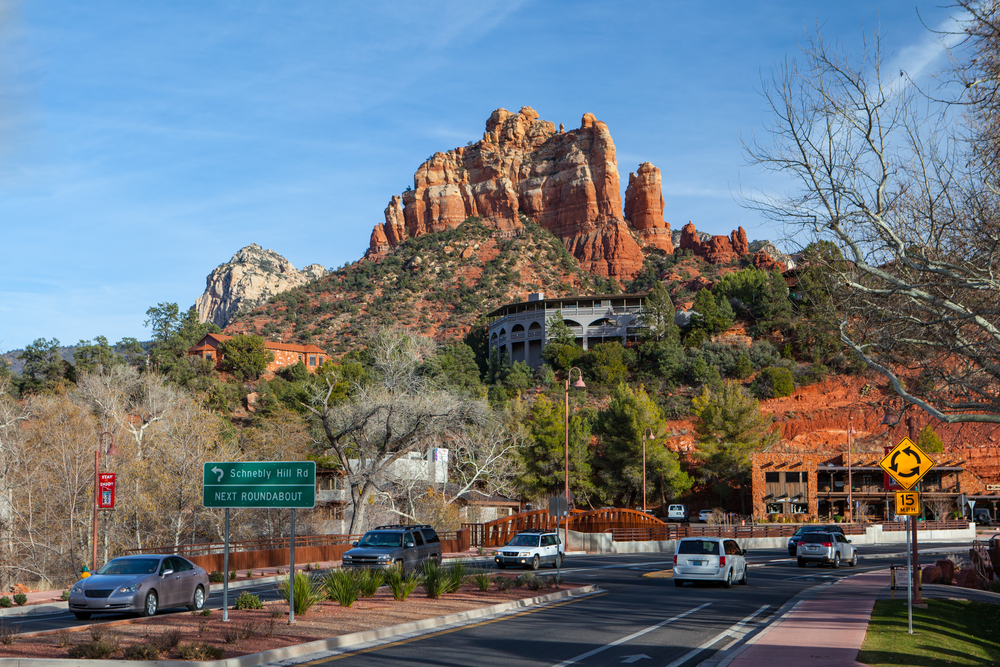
(913, 471)
(217, 469)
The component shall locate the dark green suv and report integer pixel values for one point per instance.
(385, 546)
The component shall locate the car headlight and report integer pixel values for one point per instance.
(131, 588)
(385, 558)
(347, 558)
(524, 553)
(77, 588)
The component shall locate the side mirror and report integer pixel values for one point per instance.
(167, 572)
(848, 541)
(354, 543)
(745, 552)
(410, 545)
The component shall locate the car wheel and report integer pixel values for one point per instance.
(854, 559)
(743, 581)
(802, 563)
(728, 583)
(149, 608)
(836, 561)
(557, 562)
(501, 565)
(81, 615)
(198, 601)
(678, 582)
(535, 562)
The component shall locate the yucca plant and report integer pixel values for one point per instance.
(435, 579)
(342, 586)
(307, 592)
(369, 582)
(482, 579)
(401, 583)
(457, 574)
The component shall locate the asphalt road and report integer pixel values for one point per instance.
(633, 620)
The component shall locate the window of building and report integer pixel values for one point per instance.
(312, 359)
(208, 355)
(771, 478)
(793, 477)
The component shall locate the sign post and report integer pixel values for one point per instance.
(259, 484)
(558, 508)
(906, 464)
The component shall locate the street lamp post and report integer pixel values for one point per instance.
(646, 435)
(579, 385)
(111, 451)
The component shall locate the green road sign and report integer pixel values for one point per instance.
(288, 484)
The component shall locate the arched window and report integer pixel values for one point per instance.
(516, 328)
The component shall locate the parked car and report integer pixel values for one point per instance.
(142, 583)
(705, 515)
(407, 546)
(677, 513)
(530, 549)
(793, 541)
(826, 549)
(717, 559)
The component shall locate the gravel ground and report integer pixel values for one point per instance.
(253, 631)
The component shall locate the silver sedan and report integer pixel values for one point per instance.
(143, 584)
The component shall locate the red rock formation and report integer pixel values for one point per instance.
(764, 262)
(644, 208)
(565, 181)
(718, 249)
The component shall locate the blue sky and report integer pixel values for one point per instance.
(143, 143)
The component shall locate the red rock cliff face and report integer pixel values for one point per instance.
(644, 207)
(565, 181)
(718, 249)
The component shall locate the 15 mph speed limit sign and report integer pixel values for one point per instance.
(908, 503)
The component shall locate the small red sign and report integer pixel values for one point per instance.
(106, 491)
(888, 483)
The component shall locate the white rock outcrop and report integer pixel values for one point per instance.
(250, 277)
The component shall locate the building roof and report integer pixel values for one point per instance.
(271, 345)
(564, 299)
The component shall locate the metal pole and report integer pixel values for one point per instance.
(566, 431)
(909, 580)
(650, 432)
(225, 575)
(97, 458)
(291, 575)
(917, 597)
(850, 484)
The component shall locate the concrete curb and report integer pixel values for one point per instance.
(318, 646)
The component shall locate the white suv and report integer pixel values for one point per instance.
(710, 559)
(677, 513)
(531, 548)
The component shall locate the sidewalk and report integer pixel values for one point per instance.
(825, 629)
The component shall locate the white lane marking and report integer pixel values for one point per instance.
(584, 656)
(733, 631)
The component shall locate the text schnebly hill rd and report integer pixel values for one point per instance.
(276, 484)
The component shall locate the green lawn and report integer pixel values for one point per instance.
(955, 632)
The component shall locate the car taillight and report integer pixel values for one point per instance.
(675, 559)
(827, 544)
(722, 561)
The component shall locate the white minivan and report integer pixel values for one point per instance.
(710, 559)
(677, 513)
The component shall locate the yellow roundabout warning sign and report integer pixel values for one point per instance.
(906, 463)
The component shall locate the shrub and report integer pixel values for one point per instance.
(168, 640)
(234, 633)
(65, 595)
(98, 649)
(457, 575)
(528, 580)
(995, 585)
(204, 612)
(504, 583)
(838, 518)
(249, 574)
(307, 593)
(400, 583)
(342, 586)
(20, 599)
(482, 579)
(773, 382)
(200, 651)
(370, 581)
(8, 634)
(215, 577)
(232, 575)
(141, 652)
(4, 601)
(434, 579)
(247, 600)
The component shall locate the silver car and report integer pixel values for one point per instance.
(826, 549)
(140, 584)
(716, 559)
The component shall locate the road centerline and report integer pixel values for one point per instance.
(617, 642)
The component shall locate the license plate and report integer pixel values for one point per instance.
(699, 562)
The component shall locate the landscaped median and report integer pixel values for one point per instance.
(257, 636)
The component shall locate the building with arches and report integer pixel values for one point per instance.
(517, 331)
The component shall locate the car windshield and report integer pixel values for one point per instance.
(381, 540)
(708, 547)
(524, 541)
(130, 566)
(816, 538)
